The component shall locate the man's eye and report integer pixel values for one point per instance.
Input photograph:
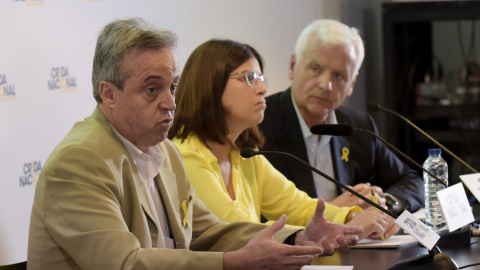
(173, 87)
(339, 75)
(151, 90)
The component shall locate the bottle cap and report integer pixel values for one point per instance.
(434, 152)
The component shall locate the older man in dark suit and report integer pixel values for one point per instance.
(323, 70)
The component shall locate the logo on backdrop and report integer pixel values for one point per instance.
(31, 172)
(7, 91)
(31, 2)
(61, 80)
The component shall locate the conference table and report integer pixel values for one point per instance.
(380, 259)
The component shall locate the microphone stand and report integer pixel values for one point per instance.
(376, 107)
(346, 130)
(457, 238)
(434, 260)
(336, 182)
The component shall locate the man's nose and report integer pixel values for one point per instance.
(167, 101)
(325, 82)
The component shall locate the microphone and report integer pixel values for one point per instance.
(460, 237)
(248, 153)
(331, 129)
(435, 259)
(346, 130)
(375, 107)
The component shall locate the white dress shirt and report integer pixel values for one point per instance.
(319, 156)
(148, 164)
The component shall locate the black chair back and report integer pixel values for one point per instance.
(16, 266)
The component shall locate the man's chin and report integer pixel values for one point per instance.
(160, 137)
(320, 113)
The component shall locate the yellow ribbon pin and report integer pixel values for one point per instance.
(186, 220)
(345, 153)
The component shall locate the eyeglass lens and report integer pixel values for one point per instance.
(252, 78)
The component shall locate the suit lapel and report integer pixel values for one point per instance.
(292, 142)
(142, 196)
(137, 178)
(168, 191)
(341, 160)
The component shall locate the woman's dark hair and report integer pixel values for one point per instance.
(200, 89)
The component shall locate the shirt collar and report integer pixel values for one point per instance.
(143, 160)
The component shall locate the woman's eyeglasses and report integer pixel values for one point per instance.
(251, 77)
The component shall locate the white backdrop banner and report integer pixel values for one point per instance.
(46, 54)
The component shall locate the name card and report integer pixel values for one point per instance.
(472, 181)
(426, 236)
(455, 206)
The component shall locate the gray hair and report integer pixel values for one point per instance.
(330, 32)
(116, 40)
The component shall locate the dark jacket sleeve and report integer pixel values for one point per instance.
(372, 161)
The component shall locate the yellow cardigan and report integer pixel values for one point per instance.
(258, 187)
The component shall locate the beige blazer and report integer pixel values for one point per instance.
(91, 211)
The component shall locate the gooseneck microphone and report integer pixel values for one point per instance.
(248, 153)
(347, 130)
(435, 259)
(375, 107)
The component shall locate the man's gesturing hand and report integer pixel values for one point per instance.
(330, 236)
(263, 252)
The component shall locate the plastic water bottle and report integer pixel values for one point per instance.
(435, 164)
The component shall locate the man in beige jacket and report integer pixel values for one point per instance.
(114, 193)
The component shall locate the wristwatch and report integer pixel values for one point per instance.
(393, 204)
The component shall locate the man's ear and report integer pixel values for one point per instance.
(106, 91)
(291, 66)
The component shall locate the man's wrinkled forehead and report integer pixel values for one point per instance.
(169, 62)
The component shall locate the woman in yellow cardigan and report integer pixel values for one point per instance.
(220, 102)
